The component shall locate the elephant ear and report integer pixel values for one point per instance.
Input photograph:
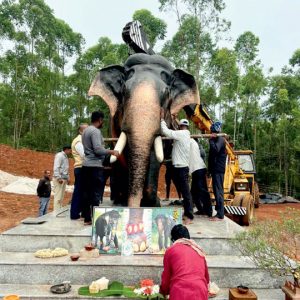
(108, 84)
(183, 91)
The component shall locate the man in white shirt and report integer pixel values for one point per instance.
(180, 160)
(78, 155)
(60, 176)
(199, 191)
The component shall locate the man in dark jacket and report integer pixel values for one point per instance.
(44, 192)
(216, 167)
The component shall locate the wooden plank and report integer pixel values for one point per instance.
(207, 135)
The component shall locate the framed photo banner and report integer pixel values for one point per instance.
(128, 231)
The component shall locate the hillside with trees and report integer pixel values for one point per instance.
(42, 102)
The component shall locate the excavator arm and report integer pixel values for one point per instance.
(135, 37)
(200, 117)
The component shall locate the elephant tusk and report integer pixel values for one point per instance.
(120, 145)
(158, 148)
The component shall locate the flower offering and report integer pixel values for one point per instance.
(147, 288)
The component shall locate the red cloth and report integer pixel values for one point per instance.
(185, 275)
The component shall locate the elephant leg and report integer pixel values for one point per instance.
(166, 236)
(150, 198)
(116, 242)
(108, 235)
(160, 239)
(119, 184)
(96, 241)
(101, 225)
(101, 242)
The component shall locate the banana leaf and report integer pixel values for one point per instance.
(117, 289)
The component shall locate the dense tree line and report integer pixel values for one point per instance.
(45, 73)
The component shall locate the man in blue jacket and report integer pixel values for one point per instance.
(216, 167)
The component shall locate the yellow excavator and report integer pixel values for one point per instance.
(240, 189)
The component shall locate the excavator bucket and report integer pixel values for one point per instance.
(135, 37)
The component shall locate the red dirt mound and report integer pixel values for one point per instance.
(15, 208)
(25, 162)
(30, 163)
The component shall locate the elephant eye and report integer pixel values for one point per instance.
(165, 97)
(129, 74)
(166, 78)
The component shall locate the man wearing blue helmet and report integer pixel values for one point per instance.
(216, 167)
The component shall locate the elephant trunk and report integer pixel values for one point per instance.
(142, 118)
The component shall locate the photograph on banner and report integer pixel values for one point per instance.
(107, 229)
(129, 231)
(163, 220)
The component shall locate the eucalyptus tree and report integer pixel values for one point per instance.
(278, 142)
(184, 51)
(102, 54)
(36, 49)
(223, 70)
(200, 27)
(250, 88)
(155, 28)
(105, 53)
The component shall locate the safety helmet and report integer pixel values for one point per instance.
(184, 122)
(216, 127)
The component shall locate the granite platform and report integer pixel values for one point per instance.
(30, 277)
(59, 231)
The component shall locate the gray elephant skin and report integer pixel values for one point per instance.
(105, 227)
(135, 94)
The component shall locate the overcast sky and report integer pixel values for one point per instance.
(275, 22)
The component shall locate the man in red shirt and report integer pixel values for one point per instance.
(185, 275)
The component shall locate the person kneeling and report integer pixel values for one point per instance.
(185, 275)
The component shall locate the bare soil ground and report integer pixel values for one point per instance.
(273, 211)
(15, 207)
(25, 162)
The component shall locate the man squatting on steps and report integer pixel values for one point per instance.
(60, 176)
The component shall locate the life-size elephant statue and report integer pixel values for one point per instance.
(135, 94)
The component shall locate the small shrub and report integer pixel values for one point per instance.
(274, 245)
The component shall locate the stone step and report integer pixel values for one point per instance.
(214, 237)
(42, 292)
(74, 243)
(24, 268)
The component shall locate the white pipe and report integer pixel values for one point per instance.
(120, 145)
(158, 148)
